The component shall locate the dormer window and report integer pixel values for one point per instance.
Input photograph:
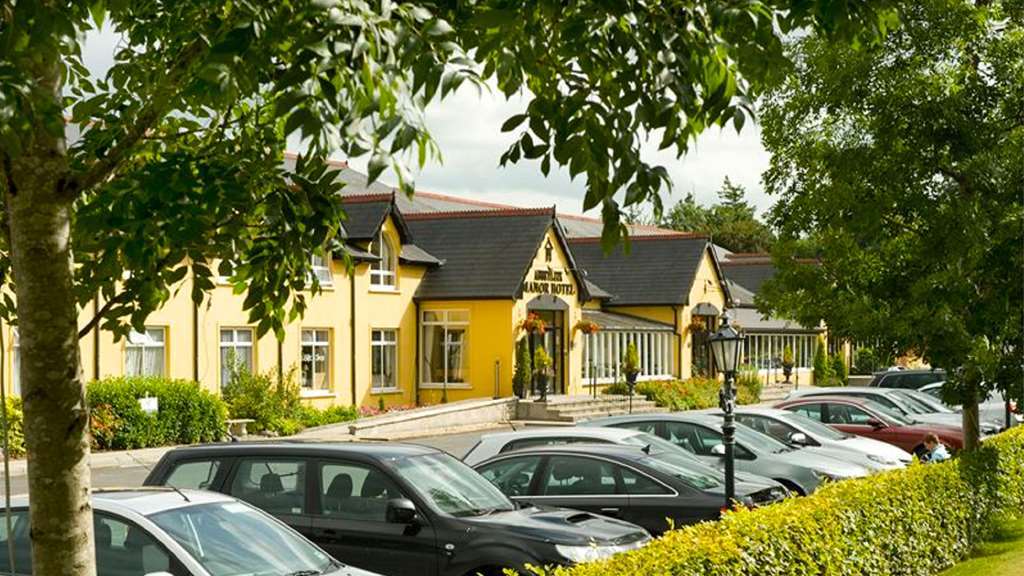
(320, 266)
(382, 273)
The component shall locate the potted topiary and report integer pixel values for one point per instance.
(631, 369)
(787, 362)
(524, 369)
(542, 371)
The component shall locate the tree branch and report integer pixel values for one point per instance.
(84, 331)
(103, 167)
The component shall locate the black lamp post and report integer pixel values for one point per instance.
(727, 345)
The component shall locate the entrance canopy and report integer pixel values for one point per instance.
(547, 302)
(612, 322)
(706, 309)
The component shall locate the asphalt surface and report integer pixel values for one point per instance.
(126, 476)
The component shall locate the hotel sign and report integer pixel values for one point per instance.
(549, 282)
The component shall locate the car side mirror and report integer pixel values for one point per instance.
(799, 438)
(401, 511)
(876, 423)
(718, 449)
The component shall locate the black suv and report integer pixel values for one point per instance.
(907, 379)
(397, 509)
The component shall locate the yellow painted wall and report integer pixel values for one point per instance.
(490, 341)
(706, 288)
(572, 359)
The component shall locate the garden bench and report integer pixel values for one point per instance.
(237, 426)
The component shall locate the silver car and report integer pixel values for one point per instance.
(756, 453)
(501, 442)
(991, 409)
(895, 399)
(167, 532)
(797, 429)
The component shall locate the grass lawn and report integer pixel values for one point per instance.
(1002, 555)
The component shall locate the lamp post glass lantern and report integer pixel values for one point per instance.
(727, 346)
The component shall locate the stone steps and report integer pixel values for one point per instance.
(775, 392)
(577, 408)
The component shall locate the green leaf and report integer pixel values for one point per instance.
(513, 122)
(378, 162)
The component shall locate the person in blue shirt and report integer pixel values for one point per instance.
(936, 451)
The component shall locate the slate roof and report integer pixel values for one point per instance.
(413, 254)
(750, 271)
(486, 254)
(750, 320)
(659, 270)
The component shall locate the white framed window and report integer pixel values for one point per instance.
(382, 273)
(316, 354)
(15, 362)
(384, 354)
(145, 352)
(445, 341)
(236, 352)
(321, 268)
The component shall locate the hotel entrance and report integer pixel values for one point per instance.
(704, 322)
(552, 311)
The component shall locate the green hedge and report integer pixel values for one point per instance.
(187, 414)
(916, 521)
(16, 428)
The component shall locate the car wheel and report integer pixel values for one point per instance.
(791, 486)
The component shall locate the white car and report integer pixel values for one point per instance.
(793, 428)
(501, 442)
(168, 532)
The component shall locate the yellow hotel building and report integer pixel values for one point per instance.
(434, 306)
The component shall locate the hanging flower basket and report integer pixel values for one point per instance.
(534, 324)
(588, 327)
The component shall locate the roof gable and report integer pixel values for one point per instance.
(659, 270)
(486, 254)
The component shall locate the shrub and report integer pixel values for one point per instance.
(15, 428)
(276, 406)
(271, 403)
(524, 369)
(822, 367)
(692, 394)
(620, 388)
(916, 521)
(839, 371)
(748, 387)
(187, 414)
(631, 360)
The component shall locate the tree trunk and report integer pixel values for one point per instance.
(971, 420)
(56, 414)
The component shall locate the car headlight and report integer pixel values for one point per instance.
(581, 554)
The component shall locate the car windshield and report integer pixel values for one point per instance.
(673, 464)
(928, 404)
(451, 486)
(757, 442)
(889, 413)
(234, 539)
(813, 427)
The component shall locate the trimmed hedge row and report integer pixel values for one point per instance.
(693, 394)
(916, 521)
(187, 414)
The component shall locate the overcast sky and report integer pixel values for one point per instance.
(467, 127)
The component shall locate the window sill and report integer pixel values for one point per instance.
(459, 386)
(306, 393)
(384, 289)
(386, 391)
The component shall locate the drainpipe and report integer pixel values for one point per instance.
(96, 340)
(195, 341)
(679, 343)
(416, 355)
(280, 362)
(352, 282)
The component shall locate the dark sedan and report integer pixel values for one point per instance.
(865, 417)
(654, 489)
(397, 509)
